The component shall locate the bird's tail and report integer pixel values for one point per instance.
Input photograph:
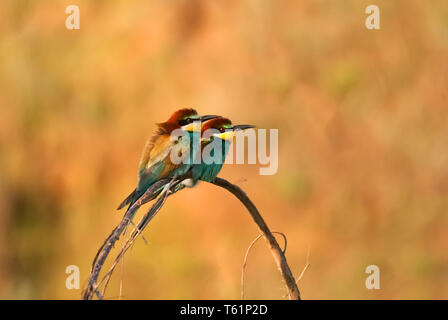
(128, 200)
(136, 195)
(133, 198)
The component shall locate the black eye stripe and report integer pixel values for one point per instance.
(185, 121)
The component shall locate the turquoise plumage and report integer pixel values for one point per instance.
(156, 162)
(217, 134)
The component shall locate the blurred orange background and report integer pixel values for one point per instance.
(362, 119)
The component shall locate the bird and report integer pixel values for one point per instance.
(217, 134)
(156, 162)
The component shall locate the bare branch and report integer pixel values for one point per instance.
(279, 257)
(108, 244)
(173, 186)
(243, 268)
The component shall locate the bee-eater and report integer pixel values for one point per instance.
(156, 162)
(216, 134)
(219, 139)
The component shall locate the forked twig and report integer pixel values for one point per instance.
(279, 257)
(243, 268)
(151, 194)
(108, 244)
(135, 233)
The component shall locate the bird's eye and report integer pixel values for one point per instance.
(222, 129)
(184, 121)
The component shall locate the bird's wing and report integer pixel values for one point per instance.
(154, 159)
(155, 164)
(151, 165)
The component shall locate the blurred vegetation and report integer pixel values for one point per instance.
(363, 174)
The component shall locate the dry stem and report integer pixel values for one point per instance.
(152, 193)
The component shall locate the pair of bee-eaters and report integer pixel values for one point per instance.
(198, 132)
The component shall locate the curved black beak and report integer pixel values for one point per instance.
(208, 117)
(240, 127)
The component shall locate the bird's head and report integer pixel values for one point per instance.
(185, 119)
(222, 128)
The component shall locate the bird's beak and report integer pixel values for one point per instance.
(229, 134)
(208, 117)
(241, 127)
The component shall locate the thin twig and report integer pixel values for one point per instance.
(151, 194)
(139, 228)
(136, 232)
(307, 265)
(245, 262)
(143, 237)
(121, 278)
(108, 244)
(243, 268)
(279, 257)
